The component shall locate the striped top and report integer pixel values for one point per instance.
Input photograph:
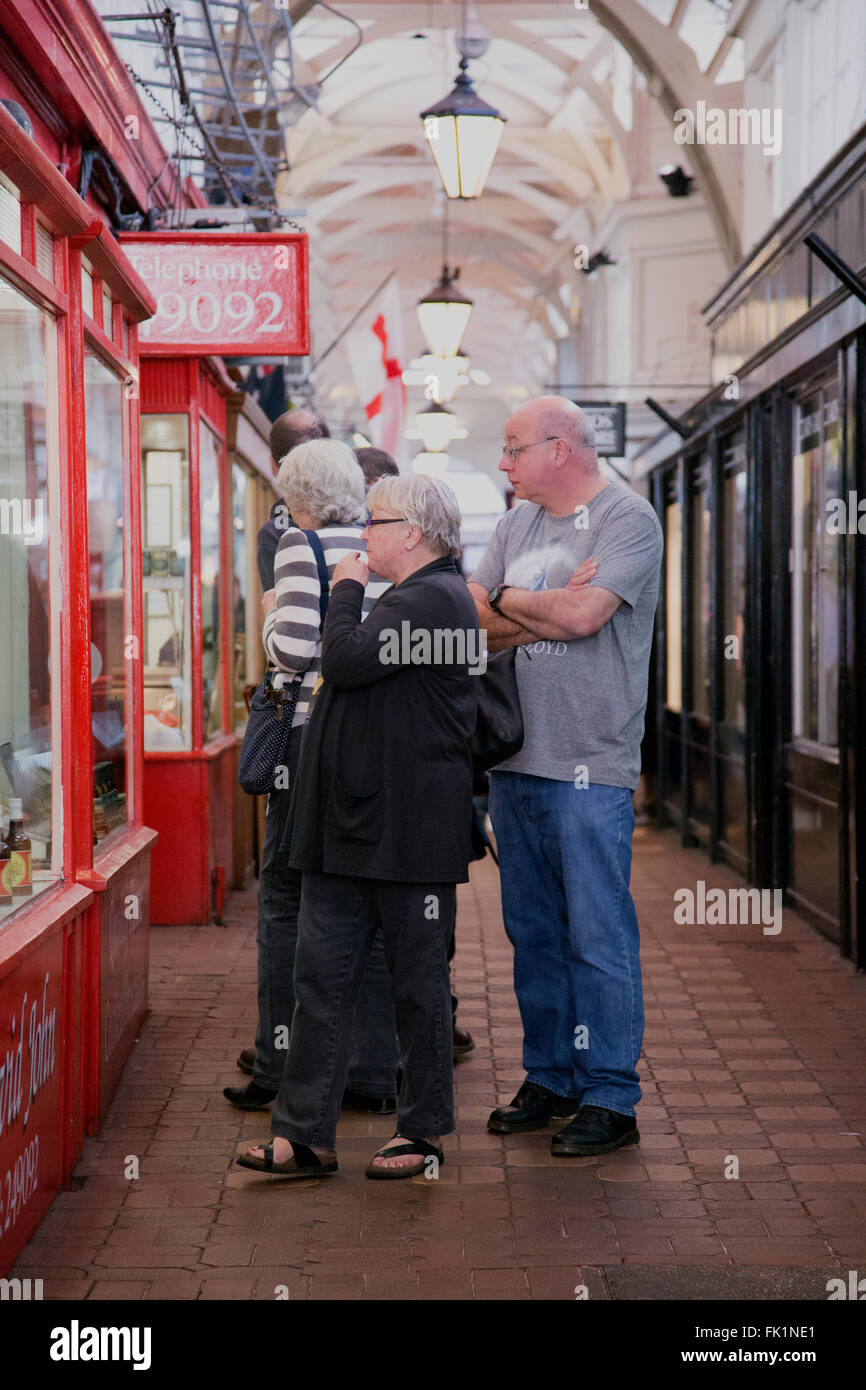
(292, 633)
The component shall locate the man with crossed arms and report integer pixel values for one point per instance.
(575, 570)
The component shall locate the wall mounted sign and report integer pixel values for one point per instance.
(608, 419)
(223, 293)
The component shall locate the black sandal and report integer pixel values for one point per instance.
(409, 1146)
(302, 1164)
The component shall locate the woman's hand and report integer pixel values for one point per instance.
(583, 574)
(351, 567)
(269, 601)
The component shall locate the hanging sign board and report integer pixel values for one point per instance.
(223, 293)
(608, 420)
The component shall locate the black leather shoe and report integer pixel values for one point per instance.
(464, 1043)
(595, 1130)
(531, 1108)
(374, 1105)
(249, 1097)
(247, 1060)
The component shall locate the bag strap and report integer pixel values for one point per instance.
(324, 579)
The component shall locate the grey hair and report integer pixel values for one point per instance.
(573, 426)
(324, 478)
(427, 503)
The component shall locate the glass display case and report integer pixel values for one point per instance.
(166, 582)
(106, 470)
(28, 457)
(210, 512)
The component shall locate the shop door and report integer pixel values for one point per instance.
(697, 683)
(733, 810)
(669, 674)
(813, 803)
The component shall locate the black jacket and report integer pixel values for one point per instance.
(384, 788)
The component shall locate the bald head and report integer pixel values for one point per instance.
(557, 416)
(556, 465)
(293, 428)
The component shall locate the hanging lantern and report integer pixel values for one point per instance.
(463, 133)
(435, 427)
(434, 465)
(443, 315)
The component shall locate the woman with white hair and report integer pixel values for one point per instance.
(322, 484)
(382, 831)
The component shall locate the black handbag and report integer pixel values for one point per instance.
(499, 723)
(265, 745)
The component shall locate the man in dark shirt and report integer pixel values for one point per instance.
(292, 428)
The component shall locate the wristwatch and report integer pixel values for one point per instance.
(495, 595)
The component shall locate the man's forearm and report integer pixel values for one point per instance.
(502, 632)
(544, 613)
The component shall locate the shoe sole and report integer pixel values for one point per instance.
(503, 1127)
(463, 1051)
(244, 1067)
(278, 1170)
(585, 1150)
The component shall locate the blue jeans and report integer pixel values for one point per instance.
(565, 860)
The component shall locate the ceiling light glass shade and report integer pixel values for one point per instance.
(464, 133)
(443, 315)
(435, 427)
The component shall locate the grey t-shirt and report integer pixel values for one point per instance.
(584, 700)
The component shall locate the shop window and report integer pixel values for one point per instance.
(242, 532)
(673, 606)
(86, 291)
(815, 559)
(28, 456)
(733, 635)
(104, 422)
(10, 215)
(166, 582)
(700, 597)
(44, 251)
(211, 635)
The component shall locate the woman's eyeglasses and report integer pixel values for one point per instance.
(383, 521)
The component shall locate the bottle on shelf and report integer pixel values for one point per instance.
(20, 867)
(5, 877)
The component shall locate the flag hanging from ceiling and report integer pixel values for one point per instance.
(376, 358)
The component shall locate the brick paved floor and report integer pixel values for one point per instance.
(755, 1051)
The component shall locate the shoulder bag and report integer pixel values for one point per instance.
(272, 710)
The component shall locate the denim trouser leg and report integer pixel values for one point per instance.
(373, 1056)
(338, 922)
(418, 925)
(277, 932)
(565, 860)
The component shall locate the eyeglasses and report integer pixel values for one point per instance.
(383, 521)
(512, 452)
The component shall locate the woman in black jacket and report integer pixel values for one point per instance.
(381, 830)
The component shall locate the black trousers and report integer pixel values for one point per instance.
(339, 919)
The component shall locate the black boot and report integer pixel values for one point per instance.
(531, 1108)
(595, 1130)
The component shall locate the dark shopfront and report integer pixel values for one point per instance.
(760, 671)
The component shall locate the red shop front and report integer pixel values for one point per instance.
(73, 942)
(216, 293)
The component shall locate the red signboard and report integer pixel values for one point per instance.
(223, 293)
(30, 1070)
